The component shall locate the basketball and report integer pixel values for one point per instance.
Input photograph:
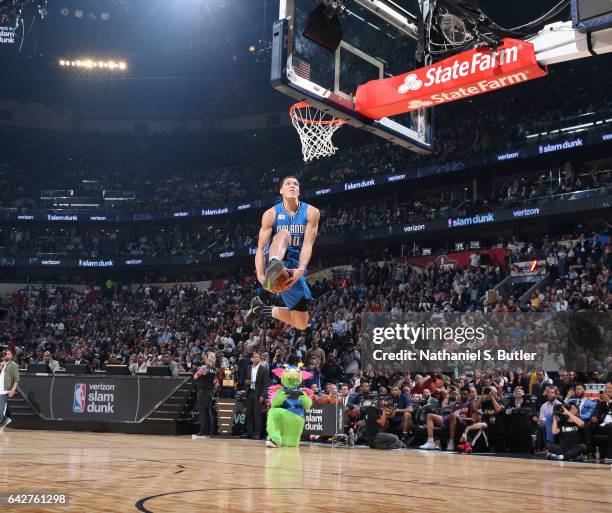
(281, 282)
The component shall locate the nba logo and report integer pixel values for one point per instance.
(78, 403)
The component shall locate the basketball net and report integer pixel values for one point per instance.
(315, 128)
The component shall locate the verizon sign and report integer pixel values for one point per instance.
(474, 72)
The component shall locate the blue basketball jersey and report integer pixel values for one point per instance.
(296, 226)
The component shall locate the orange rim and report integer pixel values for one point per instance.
(294, 111)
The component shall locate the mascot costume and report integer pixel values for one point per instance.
(287, 404)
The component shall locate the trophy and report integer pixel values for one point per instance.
(226, 402)
(228, 377)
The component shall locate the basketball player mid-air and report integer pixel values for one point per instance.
(287, 234)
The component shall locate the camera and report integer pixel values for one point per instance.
(378, 402)
(558, 409)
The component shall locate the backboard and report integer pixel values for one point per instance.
(378, 41)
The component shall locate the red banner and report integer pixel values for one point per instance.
(467, 74)
(461, 260)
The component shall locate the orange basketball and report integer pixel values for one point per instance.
(281, 281)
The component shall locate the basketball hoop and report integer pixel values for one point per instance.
(315, 128)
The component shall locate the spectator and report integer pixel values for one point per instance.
(401, 413)
(53, 364)
(139, 366)
(474, 438)
(602, 421)
(544, 419)
(171, 364)
(80, 360)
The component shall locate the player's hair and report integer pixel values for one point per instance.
(282, 182)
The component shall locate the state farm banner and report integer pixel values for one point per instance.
(461, 259)
(96, 398)
(467, 74)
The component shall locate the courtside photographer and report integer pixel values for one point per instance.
(492, 405)
(376, 412)
(568, 427)
(518, 422)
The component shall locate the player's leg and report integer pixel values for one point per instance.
(296, 318)
(276, 254)
(278, 246)
(294, 313)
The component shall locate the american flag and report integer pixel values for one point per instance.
(301, 68)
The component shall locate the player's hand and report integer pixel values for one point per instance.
(11, 393)
(295, 275)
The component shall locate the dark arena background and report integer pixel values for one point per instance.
(303, 255)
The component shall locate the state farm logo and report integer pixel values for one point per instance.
(411, 83)
(462, 66)
(419, 104)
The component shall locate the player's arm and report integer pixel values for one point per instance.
(265, 233)
(310, 234)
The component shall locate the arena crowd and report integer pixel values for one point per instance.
(176, 326)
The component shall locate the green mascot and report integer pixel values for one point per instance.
(287, 404)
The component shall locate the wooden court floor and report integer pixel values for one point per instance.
(162, 474)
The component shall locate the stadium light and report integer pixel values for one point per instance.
(91, 64)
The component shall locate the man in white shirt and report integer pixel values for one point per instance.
(474, 261)
(139, 366)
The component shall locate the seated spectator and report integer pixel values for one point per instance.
(474, 438)
(53, 364)
(587, 407)
(446, 419)
(80, 360)
(171, 364)
(601, 423)
(401, 413)
(139, 366)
